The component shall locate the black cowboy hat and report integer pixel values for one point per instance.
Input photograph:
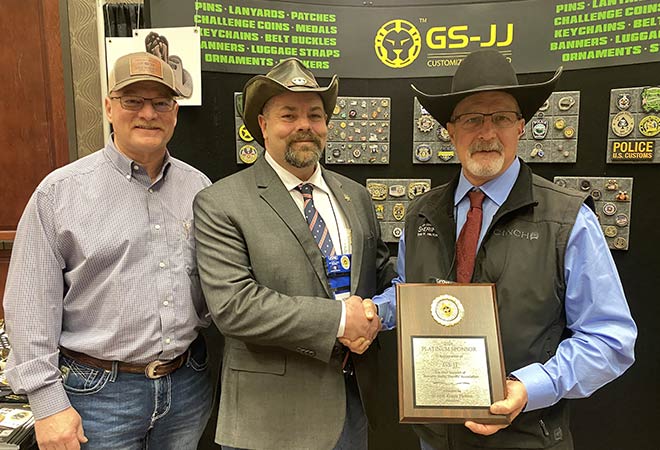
(482, 71)
(290, 75)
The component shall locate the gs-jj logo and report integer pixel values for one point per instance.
(397, 43)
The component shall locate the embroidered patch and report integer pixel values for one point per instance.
(426, 229)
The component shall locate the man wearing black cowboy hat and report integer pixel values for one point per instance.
(277, 245)
(565, 324)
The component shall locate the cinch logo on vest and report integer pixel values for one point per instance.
(426, 229)
(529, 235)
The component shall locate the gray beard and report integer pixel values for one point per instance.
(306, 156)
(491, 168)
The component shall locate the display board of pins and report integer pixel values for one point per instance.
(613, 200)
(634, 125)
(247, 149)
(359, 131)
(391, 197)
(551, 136)
(431, 144)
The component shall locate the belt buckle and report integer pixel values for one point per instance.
(150, 369)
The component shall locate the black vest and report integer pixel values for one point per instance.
(523, 254)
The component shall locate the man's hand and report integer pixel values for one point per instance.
(62, 430)
(515, 401)
(361, 343)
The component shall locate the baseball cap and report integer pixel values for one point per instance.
(141, 66)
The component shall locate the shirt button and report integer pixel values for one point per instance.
(128, 176)
(166, 303)
(157, 227)
(168, 340)
(136, 167)
(151, 191)
(161, 264)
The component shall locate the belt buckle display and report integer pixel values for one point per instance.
(150, 370)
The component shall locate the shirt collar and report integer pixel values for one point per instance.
(291, 181)
(125, 165)
(497, 189)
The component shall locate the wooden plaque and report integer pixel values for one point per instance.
(451, 367)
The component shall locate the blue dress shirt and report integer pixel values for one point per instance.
(603, 332)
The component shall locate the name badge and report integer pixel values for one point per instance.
(338, 270)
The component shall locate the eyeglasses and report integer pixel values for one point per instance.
(135, 102)
(473, 121)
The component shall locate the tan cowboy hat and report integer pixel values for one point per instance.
(487, 70)
(288, 76)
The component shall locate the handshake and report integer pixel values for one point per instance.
(362, 324)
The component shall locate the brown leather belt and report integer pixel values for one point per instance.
(153, 370)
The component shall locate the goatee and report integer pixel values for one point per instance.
(306, 153)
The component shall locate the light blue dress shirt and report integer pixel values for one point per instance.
(602, 344)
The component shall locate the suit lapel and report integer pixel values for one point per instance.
(354, 224)
(272, 190)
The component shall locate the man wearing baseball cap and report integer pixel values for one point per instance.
(102, 304)
(565, 324)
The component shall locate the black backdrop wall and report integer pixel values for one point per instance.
(622, 415)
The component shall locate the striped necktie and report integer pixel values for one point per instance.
(315, 221)
(466, 245)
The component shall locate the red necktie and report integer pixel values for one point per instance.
(466, 245)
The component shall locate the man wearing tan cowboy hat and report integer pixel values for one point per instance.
(565, 324)
(278, 245)
(103, 305)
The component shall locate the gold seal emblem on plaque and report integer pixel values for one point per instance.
(399, 211)
(378, 191)
(447, 310)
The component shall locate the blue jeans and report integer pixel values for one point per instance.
(131, 412)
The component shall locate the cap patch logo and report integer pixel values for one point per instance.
(145, 66)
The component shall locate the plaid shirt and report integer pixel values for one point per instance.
(104, 264)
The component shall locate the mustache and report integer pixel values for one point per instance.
(305, 136)
(148, 125)
(494, 145)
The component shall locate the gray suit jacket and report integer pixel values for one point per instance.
(264, 281)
